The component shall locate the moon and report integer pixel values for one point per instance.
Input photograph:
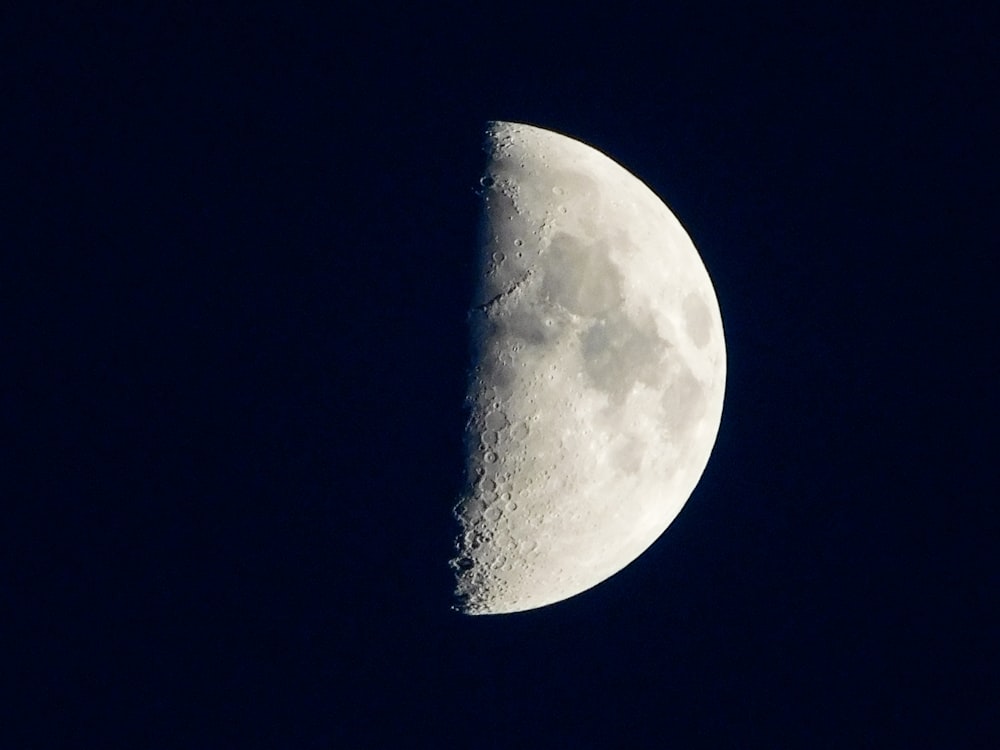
(599, 369)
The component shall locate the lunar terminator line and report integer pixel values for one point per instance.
(599, 374)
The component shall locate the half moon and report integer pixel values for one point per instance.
(596, 393)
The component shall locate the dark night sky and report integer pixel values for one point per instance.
(238, 255)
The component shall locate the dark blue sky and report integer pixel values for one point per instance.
(238, 255)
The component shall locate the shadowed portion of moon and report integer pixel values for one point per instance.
(599, 373)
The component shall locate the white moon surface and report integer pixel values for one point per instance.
(599, 374)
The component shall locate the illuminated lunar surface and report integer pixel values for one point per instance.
(599, 374)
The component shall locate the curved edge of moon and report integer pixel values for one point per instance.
(598, 380)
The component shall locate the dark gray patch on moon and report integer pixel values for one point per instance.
(683, 402)
(628, 456)
(697, 320)
(617, 353)
(529, 326)
(580, 276)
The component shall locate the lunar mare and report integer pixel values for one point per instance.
(597, 389)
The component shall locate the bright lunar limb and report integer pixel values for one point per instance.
(598, 379)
